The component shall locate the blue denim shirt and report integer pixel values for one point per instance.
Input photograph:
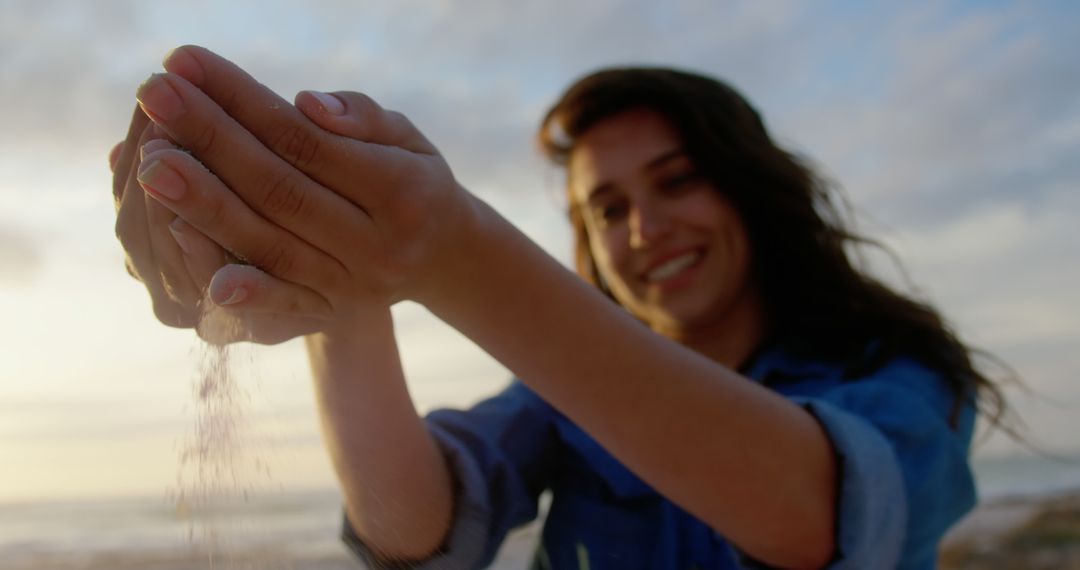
(903, 473)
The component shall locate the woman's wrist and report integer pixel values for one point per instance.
(464, 259)
(361, 326)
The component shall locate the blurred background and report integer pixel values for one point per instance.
(952, 126)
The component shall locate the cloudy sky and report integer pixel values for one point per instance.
(952, 126)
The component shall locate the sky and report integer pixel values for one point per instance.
(951, 126)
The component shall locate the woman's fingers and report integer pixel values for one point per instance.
(171, 268)
(295, 139)
(268, 311)
(184, 186)
(248, 288)
(153, 145)
(357, 116)
(272, 120)
(312, 204)
(125, 157)
(382, 157)
(131, 211)
(253, 305)
(133, 231)
(201, 255)
(168, 256)
(265, 181)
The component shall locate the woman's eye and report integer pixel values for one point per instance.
(680, 181)
(610, 212)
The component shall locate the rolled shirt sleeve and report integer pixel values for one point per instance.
(499, 453)
(871, 509)
(903, 474)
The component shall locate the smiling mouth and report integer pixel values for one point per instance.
(672, 267)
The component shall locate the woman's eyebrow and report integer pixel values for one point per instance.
(598, 191)
(665, 157)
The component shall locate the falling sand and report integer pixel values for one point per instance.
(219, 468)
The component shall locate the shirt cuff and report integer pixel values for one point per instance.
(871, 509)
(466, 545)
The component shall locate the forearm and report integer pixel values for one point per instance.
(396, 483)
(753, 465)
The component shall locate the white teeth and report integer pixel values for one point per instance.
(672, 267)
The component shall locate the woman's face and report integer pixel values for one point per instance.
(671, 248)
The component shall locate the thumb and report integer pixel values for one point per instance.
(357, 116)
(249, 288)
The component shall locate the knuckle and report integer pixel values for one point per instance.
(211, 213)
(400, 122)
(369, 111)
(204, 142)
(411, 209)
(299, 146)
(285, 197)
(365, 104)
(336, 279)
(275, 259)
(229, 102)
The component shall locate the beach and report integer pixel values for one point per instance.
(299, 531)
(1023, 532)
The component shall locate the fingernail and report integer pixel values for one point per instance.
(330, 103)
(159, 100)
(238, 294)
(153, 146)
(181, 62)
(159, 178)
(176, 228)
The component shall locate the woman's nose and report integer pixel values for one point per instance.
(648, 224)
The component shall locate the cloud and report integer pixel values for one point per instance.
(64, 63)
(1008, 270)
(966, 112)
(960, 146)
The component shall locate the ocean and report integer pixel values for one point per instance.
(285, 530)
(1026, 475)
(293, 530)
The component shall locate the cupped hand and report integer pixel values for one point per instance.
(177, 263)
(335, 206)
(145, 228)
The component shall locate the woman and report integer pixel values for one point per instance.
(778, 408)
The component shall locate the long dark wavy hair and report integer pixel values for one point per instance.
(818, 303)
